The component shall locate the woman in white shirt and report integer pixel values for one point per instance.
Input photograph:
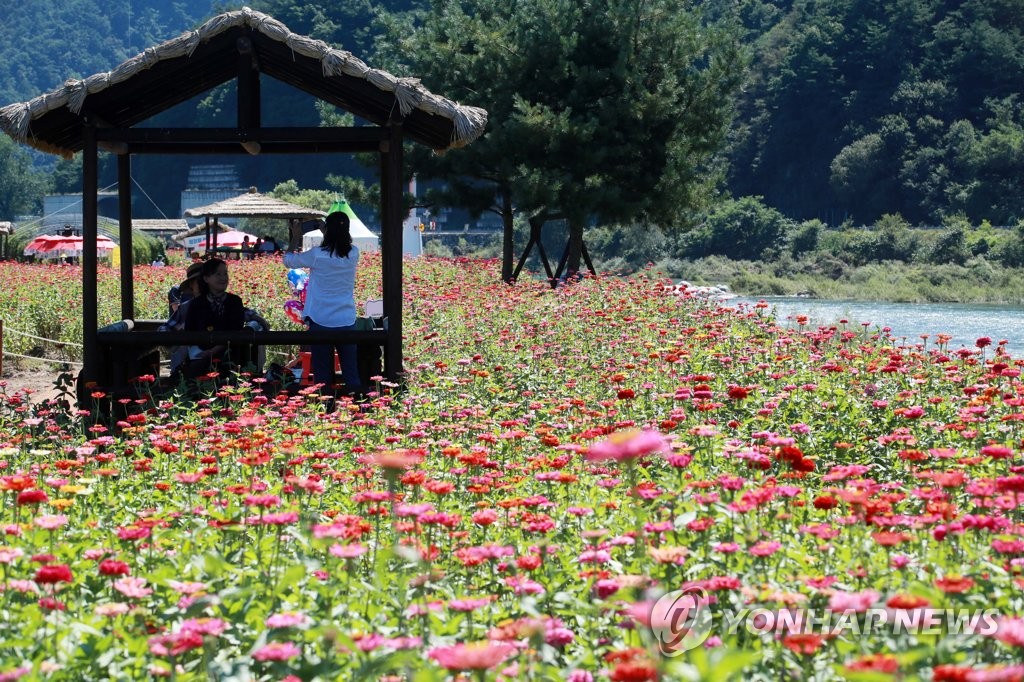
(330, 300)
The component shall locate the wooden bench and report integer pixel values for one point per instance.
(126, 355)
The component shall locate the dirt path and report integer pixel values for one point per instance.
(39, 380)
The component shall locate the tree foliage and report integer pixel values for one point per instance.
(858, 108)
(609, 111)
(21, 187)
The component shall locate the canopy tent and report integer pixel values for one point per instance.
(362, 238)
(59, 246)
(192, 238)
(232, 239)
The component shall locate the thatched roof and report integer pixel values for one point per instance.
(199, 60)
(198, 230)
(254, 205)
(159, 224)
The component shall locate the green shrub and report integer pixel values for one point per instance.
(804, 237)
(741, 229)
(950, 247)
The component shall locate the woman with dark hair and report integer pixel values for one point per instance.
(214, 309)
(330, 300)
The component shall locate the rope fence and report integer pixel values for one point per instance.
(41, 338)
(18, 332)
(33, 357)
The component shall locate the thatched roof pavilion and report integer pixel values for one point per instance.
(102, 112)
(252, 204)
(199, 60)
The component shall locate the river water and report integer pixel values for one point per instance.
(965, 322)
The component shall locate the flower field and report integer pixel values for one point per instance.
(558, 461)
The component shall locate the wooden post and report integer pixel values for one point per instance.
(124, 202)
(90, 229)
(535, 239)
(248, 91)
(391, 247)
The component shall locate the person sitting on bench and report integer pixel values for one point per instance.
(213, 310)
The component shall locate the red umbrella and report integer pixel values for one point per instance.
(231, 239)
(58, 246)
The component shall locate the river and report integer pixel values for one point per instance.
(965, 322)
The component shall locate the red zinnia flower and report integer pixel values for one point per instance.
(738, 392)
(907, 601)
(34, 496)
(954, 584)
(634, 671)
(825, 502)
(51, 604)
(114, 567)
(885, 663)
(889, 538)
(806, 643)
(53, 574)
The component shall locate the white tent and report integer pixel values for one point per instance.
(363, 239)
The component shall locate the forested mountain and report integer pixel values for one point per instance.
(852, 109)
(859, 108)
(42, 44)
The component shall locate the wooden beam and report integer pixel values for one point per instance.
(284, 140)
(140, 339)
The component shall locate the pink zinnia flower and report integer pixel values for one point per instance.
(15, 674)
(997, 451)
(347, 551)
(176, 644)
(628, 445)
(9, 554)
(287, 620)
(474, 656)
(112, 609)
(396, 459)
(205, 626)
(133, 587)
(466, 605)
(1011, 631)
(186, 587)
(485, 517)
(765, 548)
(277, 651)
(51, 521)
(857, 602)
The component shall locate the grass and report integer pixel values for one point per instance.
(978, 281)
